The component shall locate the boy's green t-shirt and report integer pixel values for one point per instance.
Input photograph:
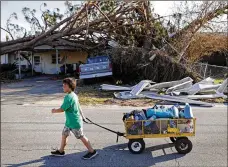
(71, 107)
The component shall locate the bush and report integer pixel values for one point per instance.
(7, 67)
(134, 64)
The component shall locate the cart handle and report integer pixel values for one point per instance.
(110, 130)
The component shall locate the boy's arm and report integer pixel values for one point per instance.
(60, 110)
(80, 110)
(81, 113)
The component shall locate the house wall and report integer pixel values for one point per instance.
(4, 59)
(46, 65)
(12, 59)
(24, 62)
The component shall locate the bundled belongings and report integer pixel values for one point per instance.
(159, 119)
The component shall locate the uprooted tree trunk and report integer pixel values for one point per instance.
(135, 64)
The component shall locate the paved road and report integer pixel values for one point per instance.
(31, 91)
(29, 132)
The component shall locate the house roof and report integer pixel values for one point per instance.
(60, 44)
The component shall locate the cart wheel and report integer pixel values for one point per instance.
(173, 139)
(136, 146)
(183, 145)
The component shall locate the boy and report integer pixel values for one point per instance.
(74, 116)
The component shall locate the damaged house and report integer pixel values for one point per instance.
(44, 58)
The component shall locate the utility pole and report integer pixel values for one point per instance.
(19, 57)
(57, 62)
(32, 62)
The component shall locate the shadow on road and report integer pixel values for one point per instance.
(115, 155)
(35, 85)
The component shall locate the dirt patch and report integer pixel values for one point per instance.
(132, 102)
(93, 95)
(217, 100)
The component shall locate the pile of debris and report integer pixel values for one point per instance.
(180, 91)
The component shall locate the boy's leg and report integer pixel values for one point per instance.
(61, 152)
(79, 135)
(92, 153)
(65, 134)
(86, 142)
(63, 143)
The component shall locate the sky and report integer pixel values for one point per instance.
(8, 7)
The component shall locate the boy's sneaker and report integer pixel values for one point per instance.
(58, 153)
(90, 155)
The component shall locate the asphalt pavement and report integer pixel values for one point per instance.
(29, 132)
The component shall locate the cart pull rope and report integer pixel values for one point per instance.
(118, 133)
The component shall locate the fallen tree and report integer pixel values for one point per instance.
(129, 24)
(154, 65)
(88, 24)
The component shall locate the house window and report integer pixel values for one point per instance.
(23, 66)
(36, 60)
(53, 59)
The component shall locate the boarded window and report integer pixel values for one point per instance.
(36, 60)
(53, 59)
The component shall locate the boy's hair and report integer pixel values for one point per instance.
(71, 82)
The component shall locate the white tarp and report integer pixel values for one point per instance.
(223, 87)
(139, 87)
(199, 87)
(208, 80)
(127, 95)
(146, 94)
(124, 88)
(176, 99)
(211, 96)
(202, 86)
(185, 85)
(170, 84)
(114, 87)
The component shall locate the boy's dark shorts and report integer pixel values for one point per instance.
(78, 133)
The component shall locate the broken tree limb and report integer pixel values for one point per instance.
(103, 14)
(8, 32)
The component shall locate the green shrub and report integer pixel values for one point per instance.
(7, 67)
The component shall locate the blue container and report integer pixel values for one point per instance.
(188, 111)
(150, 120)
(175, 111)
(159, 113)
(181, 114)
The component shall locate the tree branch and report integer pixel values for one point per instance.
(21, 40)
(87, 22)
(103, 14)
(8, 32)
(38, 23)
